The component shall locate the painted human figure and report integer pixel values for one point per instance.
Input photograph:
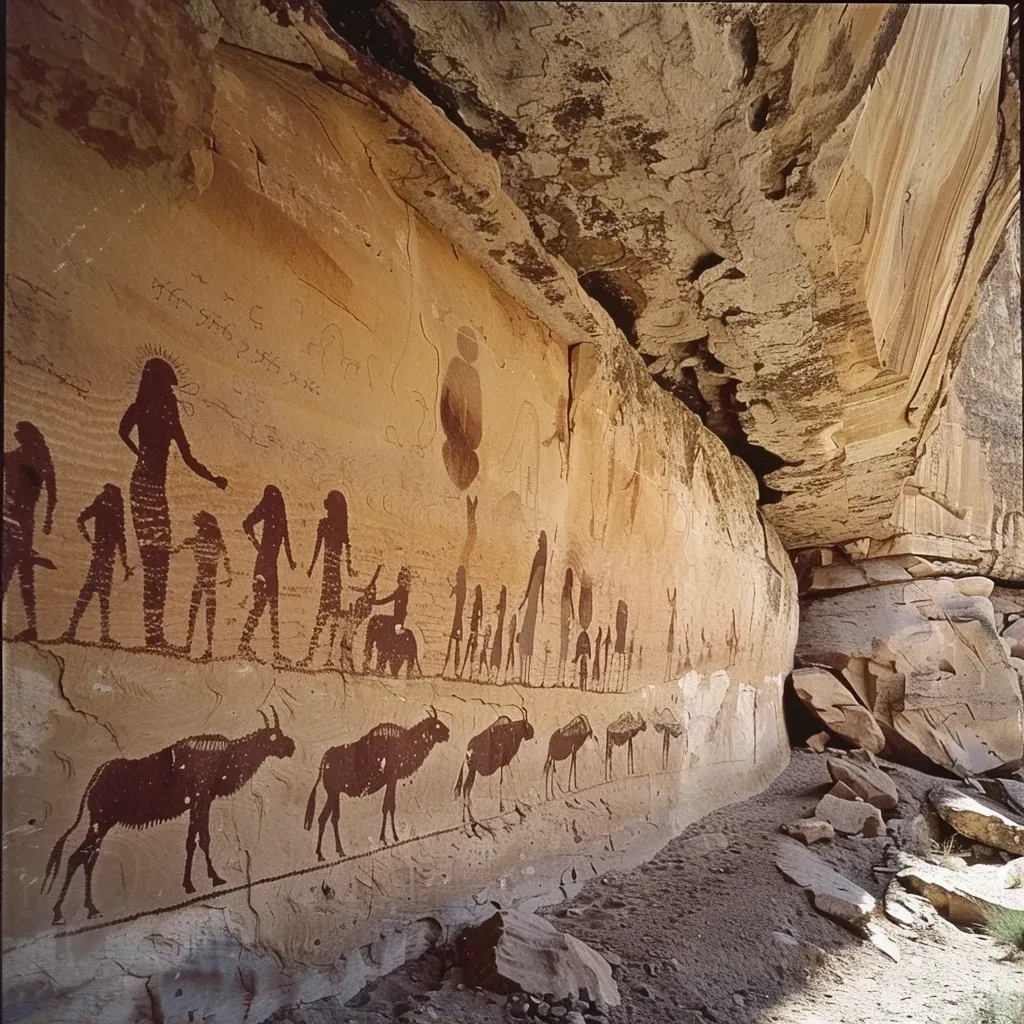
(461, 411)
(496, 647)
(583, 653)
(455, 636)
(107, 542)
(532, 599)
(155, 419)
(513, 638)
(28, 469)
(332, 538)
(621, 629)
(209, 550)
(607, 646)
(585, 609)
(400, 597)
(670, 645)
(485, 649)
(476, 617)
(597, 657)
(567, 615)
(271, 513)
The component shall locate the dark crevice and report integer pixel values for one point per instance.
(603, 288)
(704, 262)
(380, 32)
(720, 413)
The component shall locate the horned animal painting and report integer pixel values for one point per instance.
(621, 733)
(565, 744)
(375, 761)
(138, 792)
(490, 751)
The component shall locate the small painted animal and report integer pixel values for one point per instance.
(375, 761)
(619, 733)
(565, 743)
(488, 752)
(670, 727)
(138, 792)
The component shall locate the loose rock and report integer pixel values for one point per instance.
(843, 792)
(869, 783)
(833, 894)
(849, 816)
(512, 950)
(979, 818)
(837, 707)
(965, 897)
(809, 830)
(882, 941)
(818, 742)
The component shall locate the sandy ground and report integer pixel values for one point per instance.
(723, 937)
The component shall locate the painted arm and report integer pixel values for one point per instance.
(287, 545)
(254, 517)
(129, 421)
(388, 599)
(227, 561)
(122, 552)
(348, 561)
(178, 433)
(316, 549)
(83, 517)
(50, 483)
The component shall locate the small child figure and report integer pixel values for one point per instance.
(208, 549)
(107, 542)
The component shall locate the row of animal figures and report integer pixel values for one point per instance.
(189, 775)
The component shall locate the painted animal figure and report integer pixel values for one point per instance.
(378, 760)
(670, 727)
(185, 777)
(565, 743)
(488, 752)
(350, 621)
(393, 649)
(619, 733)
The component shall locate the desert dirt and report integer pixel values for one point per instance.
(722, 937)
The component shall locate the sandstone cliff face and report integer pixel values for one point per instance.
(286, 473)
(787, 210)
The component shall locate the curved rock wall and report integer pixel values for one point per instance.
(787, 209)
(309, 524)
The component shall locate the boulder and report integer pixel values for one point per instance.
(965, 897)
(842, 791)
(833, 894)
(851, 817)
(511, 952)
(809, 830)
(837, 707)
(870, 784)
(906, 908)
(1015, 634)
(926, 661)
(979, 818)
(818, 742)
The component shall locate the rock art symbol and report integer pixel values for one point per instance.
(378, 760)
(107, 515)
(138, 792)
(490, 751)
(621, 732)
(28, 469)
(564, 745)
(461, 409)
